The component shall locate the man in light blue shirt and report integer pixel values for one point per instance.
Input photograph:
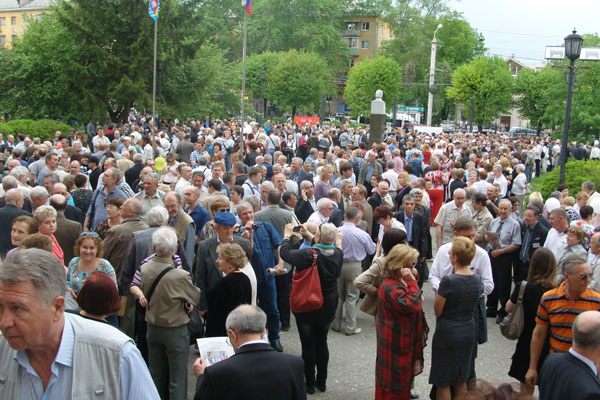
(47, 355)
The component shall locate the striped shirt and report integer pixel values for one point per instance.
(557, 311)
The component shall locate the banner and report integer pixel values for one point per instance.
(247, 4)
(301, 120)
(153, 9)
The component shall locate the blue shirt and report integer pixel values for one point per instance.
(200, 217)
(408, 224)
(265, 242)
(97, 210)
(135, 379)
(356, 243)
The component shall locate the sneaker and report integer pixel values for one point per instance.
(355, 332)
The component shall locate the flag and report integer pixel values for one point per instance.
(153, 9)
(248, 6)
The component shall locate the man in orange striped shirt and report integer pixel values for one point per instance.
(558, 309)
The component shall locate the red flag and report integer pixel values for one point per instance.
(248, 6)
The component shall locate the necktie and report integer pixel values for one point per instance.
(525, 248)
(498, 233)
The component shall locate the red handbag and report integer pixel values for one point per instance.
(306, 292)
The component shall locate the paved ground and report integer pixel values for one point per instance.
(352, 358)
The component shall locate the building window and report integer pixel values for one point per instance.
(13, 20)
(364, 26)
(39, 17)
(2, 21)
(13, 39)
(2, 40)
(364, 45)
(351, 62)
(353, 43)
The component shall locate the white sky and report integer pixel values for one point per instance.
(524, 28)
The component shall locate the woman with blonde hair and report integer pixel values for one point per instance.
(455, 330)
(45, 216)
(403, 189)
(323, 186)
(401, 325)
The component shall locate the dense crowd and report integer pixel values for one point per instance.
(234, 210)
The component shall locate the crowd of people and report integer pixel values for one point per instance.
(234, 210)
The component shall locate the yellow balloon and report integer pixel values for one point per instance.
(159, 163)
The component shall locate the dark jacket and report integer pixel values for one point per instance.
(74, 214)
(66, 234)
(7, 214)
(538, 237)
(133, 174)
(260, 373)
(419, 237)
(564, 376)
(303, 210)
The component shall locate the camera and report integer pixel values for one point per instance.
(296, 228)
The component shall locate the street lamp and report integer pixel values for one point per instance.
(573, 44)
(432, 88)
(262, 103)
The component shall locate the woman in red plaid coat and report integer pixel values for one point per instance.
(401, 326)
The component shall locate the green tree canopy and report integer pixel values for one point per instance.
(534, 95)
(367, 76)
(297, 81)
(489, 82)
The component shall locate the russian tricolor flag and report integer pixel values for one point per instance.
(248, 6)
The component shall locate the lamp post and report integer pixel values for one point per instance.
(432, 88)
(262, 104)
(573, 44)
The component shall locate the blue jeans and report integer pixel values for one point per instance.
(267, 301)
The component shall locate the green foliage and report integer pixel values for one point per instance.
(297, 81)
(44, 128)
(367, 76)
(576, 172)
(254, 65)
(534, 95)
(489, 82)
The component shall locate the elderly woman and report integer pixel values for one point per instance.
(401, 325)
(576, 238)
(113, 211)
(45, 217)
(455, 332)
(582, 200)
(323, 186)
(313, 326)
(585, 223)
(231, 291)
(22, 226)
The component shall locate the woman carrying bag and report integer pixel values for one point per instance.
(313, 326)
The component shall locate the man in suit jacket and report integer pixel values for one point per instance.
(337, 217)
(573, 375)
(71, 212)
(298, 174)
(260, 372)
(67, 231)
(533, 236)
(12, 209)
(307, 204)
(207, 273)
(415, 232)
(380, 198)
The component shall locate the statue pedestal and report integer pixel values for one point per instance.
(378, 119)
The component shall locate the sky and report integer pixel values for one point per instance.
(524, 28)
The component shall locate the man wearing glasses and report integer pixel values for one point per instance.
(558, 309)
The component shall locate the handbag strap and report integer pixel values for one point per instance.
(314, 256)
(158, 278)
(521, 292)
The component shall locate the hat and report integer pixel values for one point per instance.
(224, 218)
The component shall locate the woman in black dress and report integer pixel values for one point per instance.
(541, 278)
(231, 291)
(455, 331)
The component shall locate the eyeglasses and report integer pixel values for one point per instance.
(92, 234)
(584, 277)
(224, 210)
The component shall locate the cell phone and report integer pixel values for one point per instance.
(296, 228)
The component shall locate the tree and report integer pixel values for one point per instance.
(533, 90)
(254, 65)
(367, 76)
(297, 81)
(489, 82)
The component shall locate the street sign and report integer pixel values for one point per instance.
(411, 108)
(587, 53)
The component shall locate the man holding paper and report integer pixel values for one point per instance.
(258, 371)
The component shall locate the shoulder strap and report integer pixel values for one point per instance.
(521, 292)
(158, 278)
(315, 255)
(250, 186)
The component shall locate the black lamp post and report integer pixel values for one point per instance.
(262, 101)
(572, 51)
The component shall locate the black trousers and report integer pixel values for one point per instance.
(283, 283)
(501, 272)
(537, 167)
(315, 351)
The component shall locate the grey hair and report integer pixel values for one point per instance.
(589, 185)
(298, 160)
(152, 175)
(19, 171)
(164, 240)
(38, 192)
(571, 261)
(344, 182)
(416, 191)
(136, 207)
(138, 158)
(586, 334)
(39, 267)
(244, 205)
(323, 202)
(268, 184)
(157, 216)
(43, 212)
(246, 319)
(327, 233)
(521, 168)
(253, 200)
(116, 174)
(203, 161)
(351, 213)
(9, 182)
(304, 184)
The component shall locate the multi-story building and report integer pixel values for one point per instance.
(15, 15)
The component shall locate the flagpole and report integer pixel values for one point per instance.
(154, 85)
(244, 80)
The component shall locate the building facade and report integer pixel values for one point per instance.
(15, 15)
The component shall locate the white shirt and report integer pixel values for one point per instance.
(519, 183)
(318, 218)
(586, 360)
(481, 186)
(250, 189)
(556, 242)
(391, 176)
(480, 265)
(395, 224)
(501, 180)
(181, 185)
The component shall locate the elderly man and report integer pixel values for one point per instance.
(46, 353)
(307, 204)
(324, 211)
(556, 240)
(12, 209)
(254, 360)
(533, 236)
(182, 223)
(71, 212)
(589, 188)
(97, 210)
(151, 196)
(356, 244)
(594, 261)
(504, 238)
(39, 197)
(193, 209)
(298, 175)
(447, 216)
(168, 338)
(380, 198)
(574, 375)
(558, 309)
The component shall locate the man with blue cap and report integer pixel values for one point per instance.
(207, 273)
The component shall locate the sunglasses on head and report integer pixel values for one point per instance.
(91, 234)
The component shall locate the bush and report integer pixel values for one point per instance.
(43, 128)
(576, 172)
